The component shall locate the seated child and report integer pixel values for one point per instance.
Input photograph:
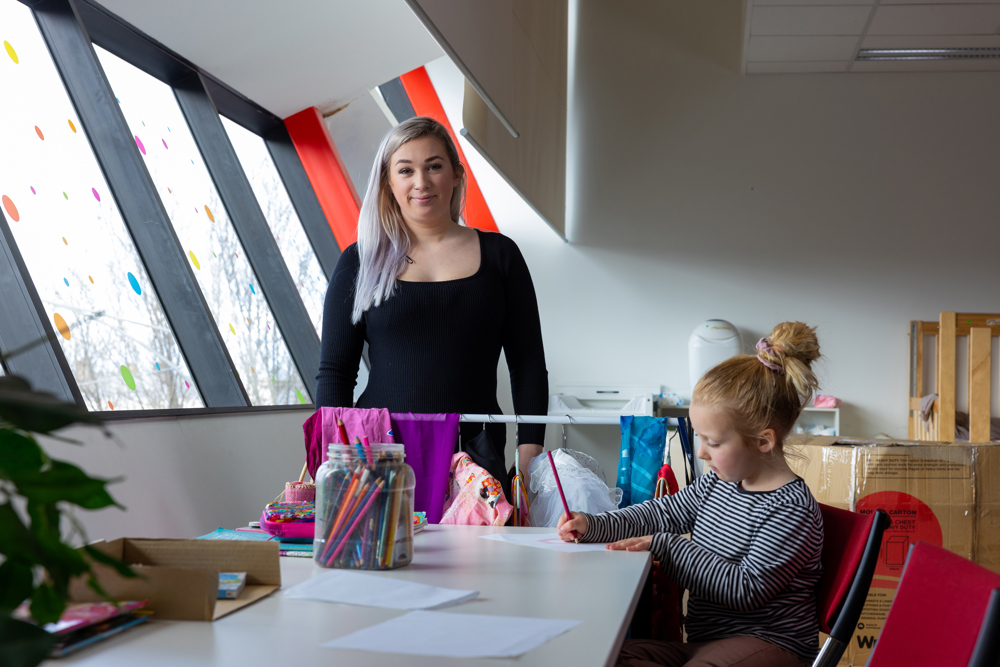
(752, 564)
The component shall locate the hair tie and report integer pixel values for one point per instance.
(764, 346)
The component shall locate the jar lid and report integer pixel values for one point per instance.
(384, 448)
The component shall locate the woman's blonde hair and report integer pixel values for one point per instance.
(383, 241)
(766, 390)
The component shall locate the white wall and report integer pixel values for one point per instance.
(186, 476)
(852, 202)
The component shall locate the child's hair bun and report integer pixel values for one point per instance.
(794, 346)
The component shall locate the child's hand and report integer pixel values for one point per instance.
(632, 544)
(578, 522)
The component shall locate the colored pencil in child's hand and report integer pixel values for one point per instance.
(569, 516)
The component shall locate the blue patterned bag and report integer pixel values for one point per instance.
(643, 441)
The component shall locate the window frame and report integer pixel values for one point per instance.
(70, 28)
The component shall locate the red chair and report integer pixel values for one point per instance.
(986, 653)
(940, 614)
(851, 545)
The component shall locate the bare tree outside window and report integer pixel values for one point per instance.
(206, 235)
(75, 245)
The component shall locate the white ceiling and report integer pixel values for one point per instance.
(783, 36)
(293, 54)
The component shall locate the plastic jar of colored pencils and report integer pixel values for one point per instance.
(364, 508)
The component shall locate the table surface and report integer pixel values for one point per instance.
(598, 588)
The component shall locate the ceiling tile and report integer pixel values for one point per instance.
(809, 20)
(935, 20)
(939, 2)
(795, 68)
(926, 66)
(931, 41)
(814, 48)
(787, 3)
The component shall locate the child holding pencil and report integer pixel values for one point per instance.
(753, 562)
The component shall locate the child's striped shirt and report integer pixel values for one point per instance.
(752, 564)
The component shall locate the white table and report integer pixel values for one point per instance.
(598, 588)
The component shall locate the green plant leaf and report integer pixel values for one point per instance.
(15, 585)
(23, 644)
(120, 567)
(16, 541)
(38, 411)
(63, 481)
(46, 604)
(18, 454)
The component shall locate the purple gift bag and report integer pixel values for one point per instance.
(429, 442)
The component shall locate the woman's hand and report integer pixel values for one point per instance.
(632, 544)
(566, 526)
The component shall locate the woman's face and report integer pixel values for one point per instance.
(422, 180)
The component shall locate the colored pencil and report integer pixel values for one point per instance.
(368, 449)
(361, 452)
(371, 499)
(395, 496)
(569, 515)
(343, 432)
(383, 532)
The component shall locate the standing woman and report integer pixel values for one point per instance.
(436, 301)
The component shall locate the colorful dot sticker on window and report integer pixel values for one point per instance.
(61, 325)
(165, 144)
(194, 260)
(252, 370)
(65, 196)
(252, 290)
(302, 399)
(11, 52)
(111, 405)
(8, 205)
(127, 376)
(138, 142)
(96, 196)
(66, 281)
(186, 385)
(71, 125)
(157, 365)
(232, 329)
(91, 279)
(134, 283)
(33, 189)
(209, 212)
(38, 131)
(65, 242)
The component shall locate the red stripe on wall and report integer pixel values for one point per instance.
(326, 173)
(425, 102)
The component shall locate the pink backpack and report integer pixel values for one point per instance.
(475, 497)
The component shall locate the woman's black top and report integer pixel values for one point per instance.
(435, 346)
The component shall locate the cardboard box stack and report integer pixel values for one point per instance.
(934, 492)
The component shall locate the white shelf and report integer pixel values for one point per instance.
(827, 418)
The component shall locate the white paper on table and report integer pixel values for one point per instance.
(371, 590)
(455, 635)
(543, 541)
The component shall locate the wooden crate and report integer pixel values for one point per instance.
(980, 328)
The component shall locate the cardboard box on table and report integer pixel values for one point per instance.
(934, 492)
(180, 578)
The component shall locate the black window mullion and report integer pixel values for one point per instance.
(145, 217)
(300, 191)
(261, 249)
(24, 322)
(397, 100)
